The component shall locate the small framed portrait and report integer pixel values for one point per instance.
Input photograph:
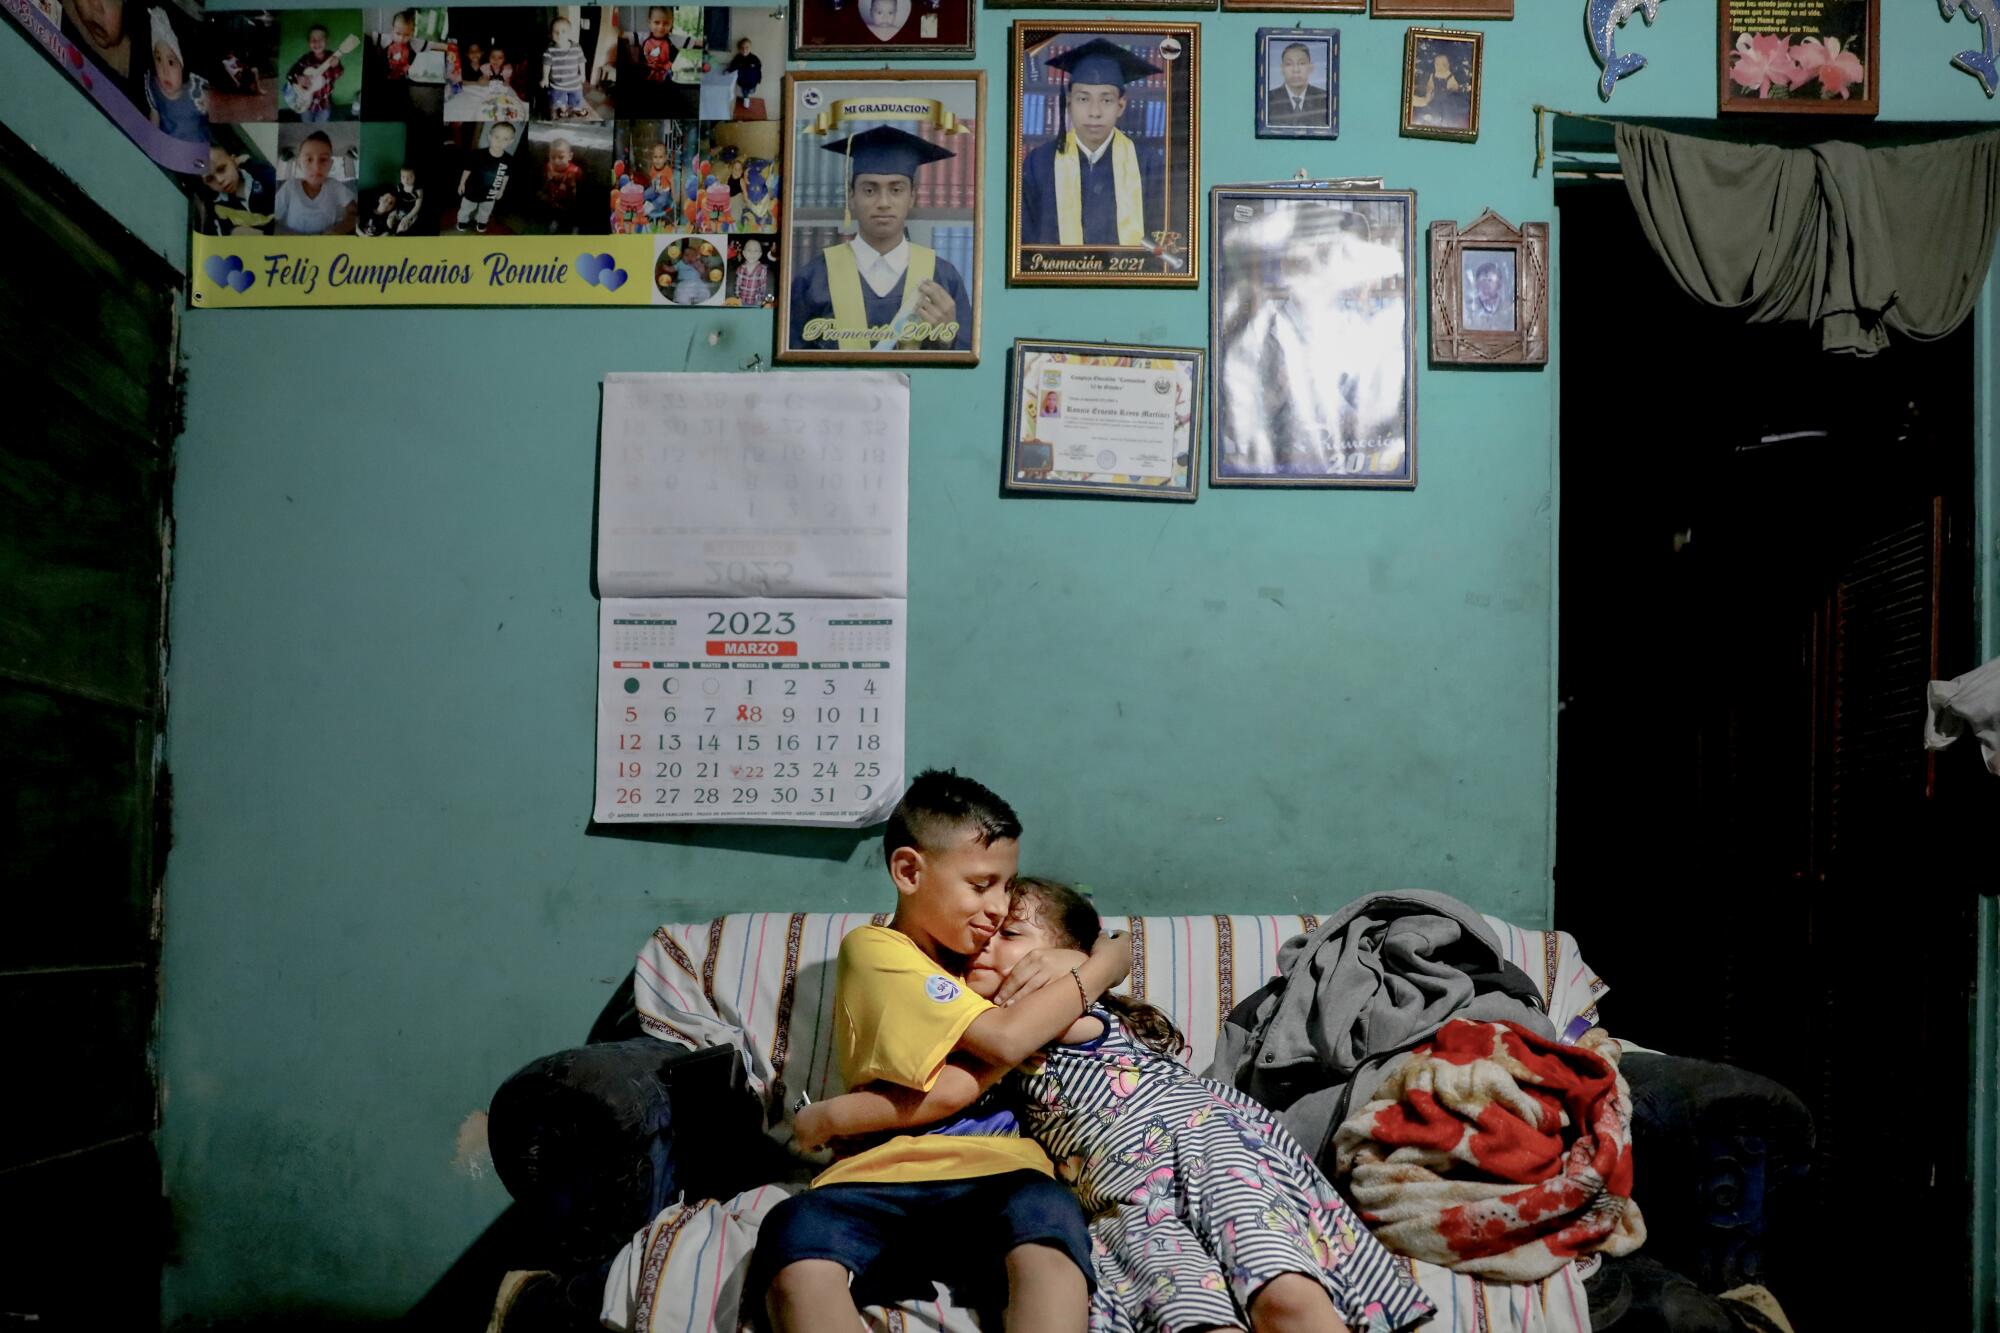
(1298, 83)
(1101, 419)
(1313, 382)
(1490, 293)
(889, 29)
(1104, 160)
(1441, 77)
(881, 229)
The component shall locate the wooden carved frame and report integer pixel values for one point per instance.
(1454, 344)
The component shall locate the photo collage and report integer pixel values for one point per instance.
(523, 122)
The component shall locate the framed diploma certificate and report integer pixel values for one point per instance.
(1102, 419)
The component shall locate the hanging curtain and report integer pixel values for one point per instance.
(1860, 241)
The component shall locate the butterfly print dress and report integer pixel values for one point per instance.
(1196, 1196)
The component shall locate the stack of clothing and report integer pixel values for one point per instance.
(1416, 1063)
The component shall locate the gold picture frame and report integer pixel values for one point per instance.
(944, 30)
(1160, 122)
(1296, 6)
(1443, 9)
(1452, 71)
(1490, 293)
(825, 317)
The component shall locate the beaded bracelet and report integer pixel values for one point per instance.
(1081, 993)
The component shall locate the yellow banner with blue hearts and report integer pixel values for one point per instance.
(246, 271)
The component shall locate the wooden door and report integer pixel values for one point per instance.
(87, 352)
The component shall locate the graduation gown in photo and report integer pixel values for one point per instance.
(1040, 218)
(813, 298)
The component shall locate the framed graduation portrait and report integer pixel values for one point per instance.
(1103, 159)
(881, 224)
(1313, 326)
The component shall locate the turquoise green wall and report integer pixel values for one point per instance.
(382, 897)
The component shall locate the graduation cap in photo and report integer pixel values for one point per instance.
(885, 151)
(1099, 61)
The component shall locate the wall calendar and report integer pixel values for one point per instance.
(752, 564)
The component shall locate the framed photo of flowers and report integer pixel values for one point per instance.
(1806, 57)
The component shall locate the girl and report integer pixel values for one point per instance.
(1201, 1206)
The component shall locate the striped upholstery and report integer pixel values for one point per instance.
(765, 981)
(769, 976)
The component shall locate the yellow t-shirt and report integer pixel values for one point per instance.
(896, 1016)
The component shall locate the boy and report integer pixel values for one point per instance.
(749, 72)
(409, 200)
(753, 277)
(656, 48)
(562, 72)
(484, 180)
(881, 291)
(242, 193)
(399, 47)
(314, 202)
(314, 75)
(967, 1201)
(1091, 185)
(381, 219)
(561, 179)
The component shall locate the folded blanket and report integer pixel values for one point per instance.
(1497, 1152)
(1376, 978)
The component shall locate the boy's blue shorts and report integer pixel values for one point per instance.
(897, 1239)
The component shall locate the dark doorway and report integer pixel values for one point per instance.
(87, 343)
(1765, 554)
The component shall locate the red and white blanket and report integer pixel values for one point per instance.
(1497, 1153)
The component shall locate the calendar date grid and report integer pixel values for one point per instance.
(735, 737)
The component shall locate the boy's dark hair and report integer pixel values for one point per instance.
(317, 27)
(320, 135)
(408, 16)
(940, 803)
(1069, 916)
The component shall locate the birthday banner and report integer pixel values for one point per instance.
(554, 155)
(246, 271)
